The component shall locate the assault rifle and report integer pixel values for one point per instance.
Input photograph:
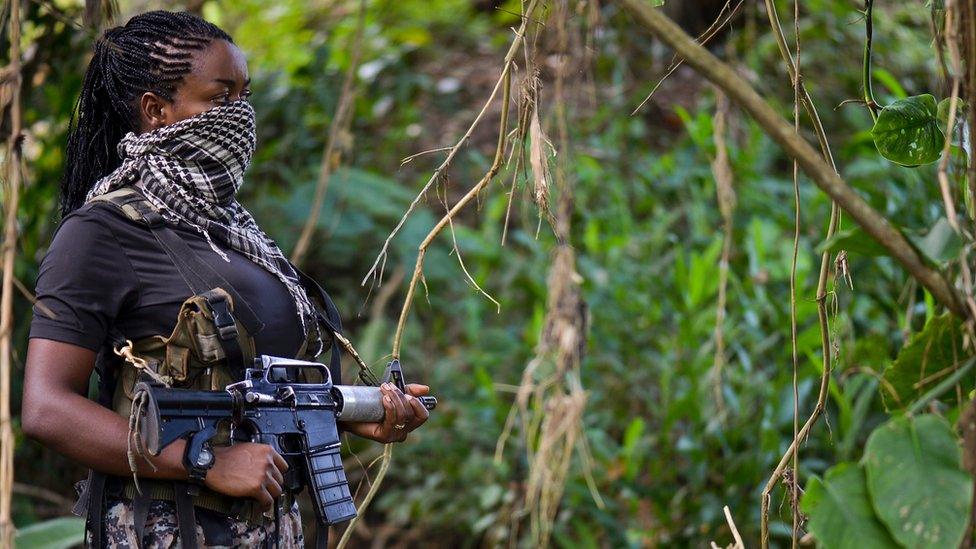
(297, 419)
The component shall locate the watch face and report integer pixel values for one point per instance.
(206, 458)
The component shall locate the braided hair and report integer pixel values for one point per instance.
(152, 52)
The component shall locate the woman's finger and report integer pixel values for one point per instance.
(272, 486)
(403, 415)
(265, 499)
(276, 475)
(279, 461)
(404, 411)
(390, 417)
(420, 414)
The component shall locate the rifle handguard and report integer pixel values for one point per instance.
(359, 403)
(363, 403)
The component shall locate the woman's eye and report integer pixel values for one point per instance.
(225, 98)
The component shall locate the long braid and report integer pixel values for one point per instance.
(152, 52)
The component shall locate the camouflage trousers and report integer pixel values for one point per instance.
(161, 529)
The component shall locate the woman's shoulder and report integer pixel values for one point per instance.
(98, 211)
(86, 278)
(93, 223)
(94, 238)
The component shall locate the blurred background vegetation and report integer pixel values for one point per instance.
(667, 454)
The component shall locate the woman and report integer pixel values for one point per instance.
(163, 110)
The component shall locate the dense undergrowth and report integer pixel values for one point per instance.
(667, 455)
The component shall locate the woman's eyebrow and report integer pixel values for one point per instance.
(230, 83)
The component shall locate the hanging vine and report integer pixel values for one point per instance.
(376, 272)
(13, 174)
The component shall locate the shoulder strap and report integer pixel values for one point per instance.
(197, 274)
(186, 521)
(107, 367)
(331, 320)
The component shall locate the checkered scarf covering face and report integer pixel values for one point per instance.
(190, 172)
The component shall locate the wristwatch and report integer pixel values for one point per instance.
(198, 458)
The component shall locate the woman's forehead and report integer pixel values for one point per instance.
(221, 61)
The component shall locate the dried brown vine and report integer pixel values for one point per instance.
(332, 154)
(9, 251)
(725, 196)
(503, 83)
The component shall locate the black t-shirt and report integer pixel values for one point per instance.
(103, 269)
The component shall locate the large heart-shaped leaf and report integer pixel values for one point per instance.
(907, 131)
(841, 516)
(916, 482)
(927, 358)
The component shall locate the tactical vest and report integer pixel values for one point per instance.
(208, 348)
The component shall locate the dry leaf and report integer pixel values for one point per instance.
(540, 164)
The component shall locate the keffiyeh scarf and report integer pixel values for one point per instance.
(190, 171)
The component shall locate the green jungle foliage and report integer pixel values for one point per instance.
(667, 455)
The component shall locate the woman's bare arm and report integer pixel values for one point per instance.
(57, 413)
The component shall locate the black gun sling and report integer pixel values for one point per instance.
(91, 502)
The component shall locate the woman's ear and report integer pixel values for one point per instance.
(154, 112)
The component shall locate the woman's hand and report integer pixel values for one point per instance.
(248, 469)
(403, 413)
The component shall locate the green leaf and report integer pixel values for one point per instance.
(59, 533)
(916, 482)
(943, 110)
(841, 516)
(928, 357)
(889, 81)
(941, 244)
(631, 453)
(907, 131)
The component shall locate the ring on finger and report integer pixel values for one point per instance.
(399, 426)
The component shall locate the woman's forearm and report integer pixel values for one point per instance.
(95, 436)
(55, 413)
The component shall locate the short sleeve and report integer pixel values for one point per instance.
(84, 282)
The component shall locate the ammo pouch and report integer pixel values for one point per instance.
(206, 350)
